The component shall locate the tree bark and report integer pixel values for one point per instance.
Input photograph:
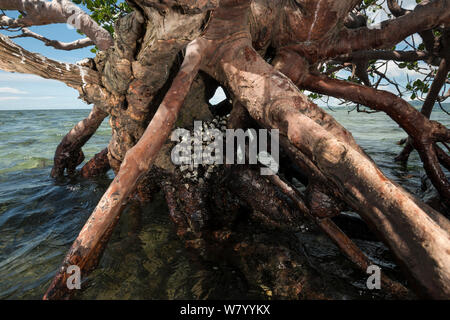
(68, 154)
(15, 59)
(77, 44)
(90, 243)
(97, 166)
(40, 12)
(423, 132)
(273, 101)
(257, 50)
(428, 105)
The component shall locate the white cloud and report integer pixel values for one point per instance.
(12, 90)
(19, 77)
(42, 98)
(393, 71)
(9, 98)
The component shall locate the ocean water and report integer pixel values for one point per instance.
(40, 217)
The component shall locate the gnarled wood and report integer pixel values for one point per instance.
(274, 102)
(68, 154)
(13, 58)
(90, 243)
(97, 166)
(139, 83)
(422, 131)
(77, 44)
(40, 12)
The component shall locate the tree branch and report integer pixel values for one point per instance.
(398, 11)
(423, 131)
(97, 166)
(271, 99)
(382, 35)
(188, 6)
(444, 97)
(77, 44)
(91, 241)
(436, 86)
(443, 157)
(40, 12)
(14, 58)
(68, 154)
(428, 105)
(404, 56)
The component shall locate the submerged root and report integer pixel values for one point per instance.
(242, 220)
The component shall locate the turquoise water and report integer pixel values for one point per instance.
(40, 217)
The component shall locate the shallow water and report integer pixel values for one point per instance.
(39, 218)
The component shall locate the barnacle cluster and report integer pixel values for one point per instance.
(201, 171)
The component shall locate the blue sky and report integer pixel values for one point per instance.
(21, 91)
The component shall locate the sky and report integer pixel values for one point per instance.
(22, 91)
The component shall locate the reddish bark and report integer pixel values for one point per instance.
(90, 243)
(423, 132)
(135, 82)
(274, 101)
(345, 244)
(38, 12)
(97, 166)
(381, 36)
(428, 105)
(68, 154)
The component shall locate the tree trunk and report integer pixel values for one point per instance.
(166, 54)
